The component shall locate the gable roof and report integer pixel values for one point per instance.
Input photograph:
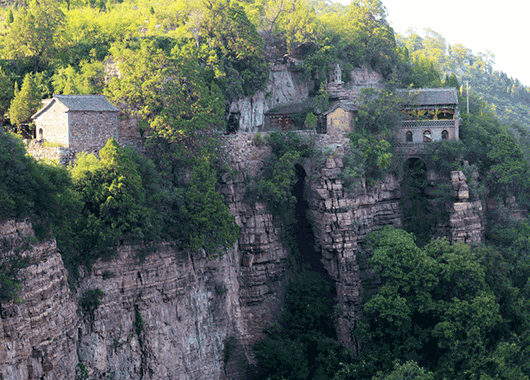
(84, 103)
(347, 106)
(431, 96)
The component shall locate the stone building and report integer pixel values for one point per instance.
(81, 123)
(340, 117)
(429, 114)
(284, 117)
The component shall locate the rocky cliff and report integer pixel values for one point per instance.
(38, 334)
(173, 315)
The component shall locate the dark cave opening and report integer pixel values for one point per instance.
(308, 259)
(419, 217)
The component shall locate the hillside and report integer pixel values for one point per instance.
(218, 252)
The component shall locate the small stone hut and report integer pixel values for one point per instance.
(340, 118)
(78, 122)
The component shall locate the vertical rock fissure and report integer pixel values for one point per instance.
(308, 259)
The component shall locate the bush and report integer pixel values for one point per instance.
(275, 186)
(90, 300)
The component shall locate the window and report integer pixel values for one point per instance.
(445, 135)
(41, 134)
(408, 136)
(427, 136)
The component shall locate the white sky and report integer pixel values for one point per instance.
(480, 25)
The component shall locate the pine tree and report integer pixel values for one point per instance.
(26, 101)
(10, 17)
(6, 93)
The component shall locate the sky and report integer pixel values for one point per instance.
(503, 27)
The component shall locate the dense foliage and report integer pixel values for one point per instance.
(441, 311)
(275, 186)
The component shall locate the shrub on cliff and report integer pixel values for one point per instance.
(41, 191)
(114, 201)
(276, 184)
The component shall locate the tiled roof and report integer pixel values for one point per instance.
(431, 96)
(287, 109)
(86, 102)
(344, 105)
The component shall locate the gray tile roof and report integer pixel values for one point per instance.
(84, 103)
(347, 106)
(431, 96)
(87, 103)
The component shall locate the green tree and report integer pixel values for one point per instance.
(235, 51)
(410, 371)
(6, 93)
(175, 108)
(33, 32)
(205, 217)
(434, 306)
(114, 201)
(26, 101)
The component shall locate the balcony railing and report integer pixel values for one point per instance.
(427, 123)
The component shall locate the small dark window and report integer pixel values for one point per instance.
(445, 135)
(408, 136)
(427, 136)
(41, 134)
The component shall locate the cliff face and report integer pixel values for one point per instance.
(170, 314)
(167, 315)
(285, 86)
(38, 335)
(341, 221)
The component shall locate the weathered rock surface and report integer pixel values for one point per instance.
(172, 315)
(38, 335)
(285, 86)
(341, 221)
(166, 316)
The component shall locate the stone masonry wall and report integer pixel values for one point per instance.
(89, 131)
(39, 150)
(54, 125)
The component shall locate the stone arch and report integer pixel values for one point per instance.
(415, 162)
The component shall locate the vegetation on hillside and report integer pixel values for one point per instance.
(442, 311)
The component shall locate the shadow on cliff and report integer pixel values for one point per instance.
(303, 342)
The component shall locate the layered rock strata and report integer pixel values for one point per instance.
(38, 333)
(342, 218)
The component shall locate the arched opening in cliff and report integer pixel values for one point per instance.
(419, 216)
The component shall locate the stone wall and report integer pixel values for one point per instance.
(41, 151)
(89, 131)
(52, 125)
